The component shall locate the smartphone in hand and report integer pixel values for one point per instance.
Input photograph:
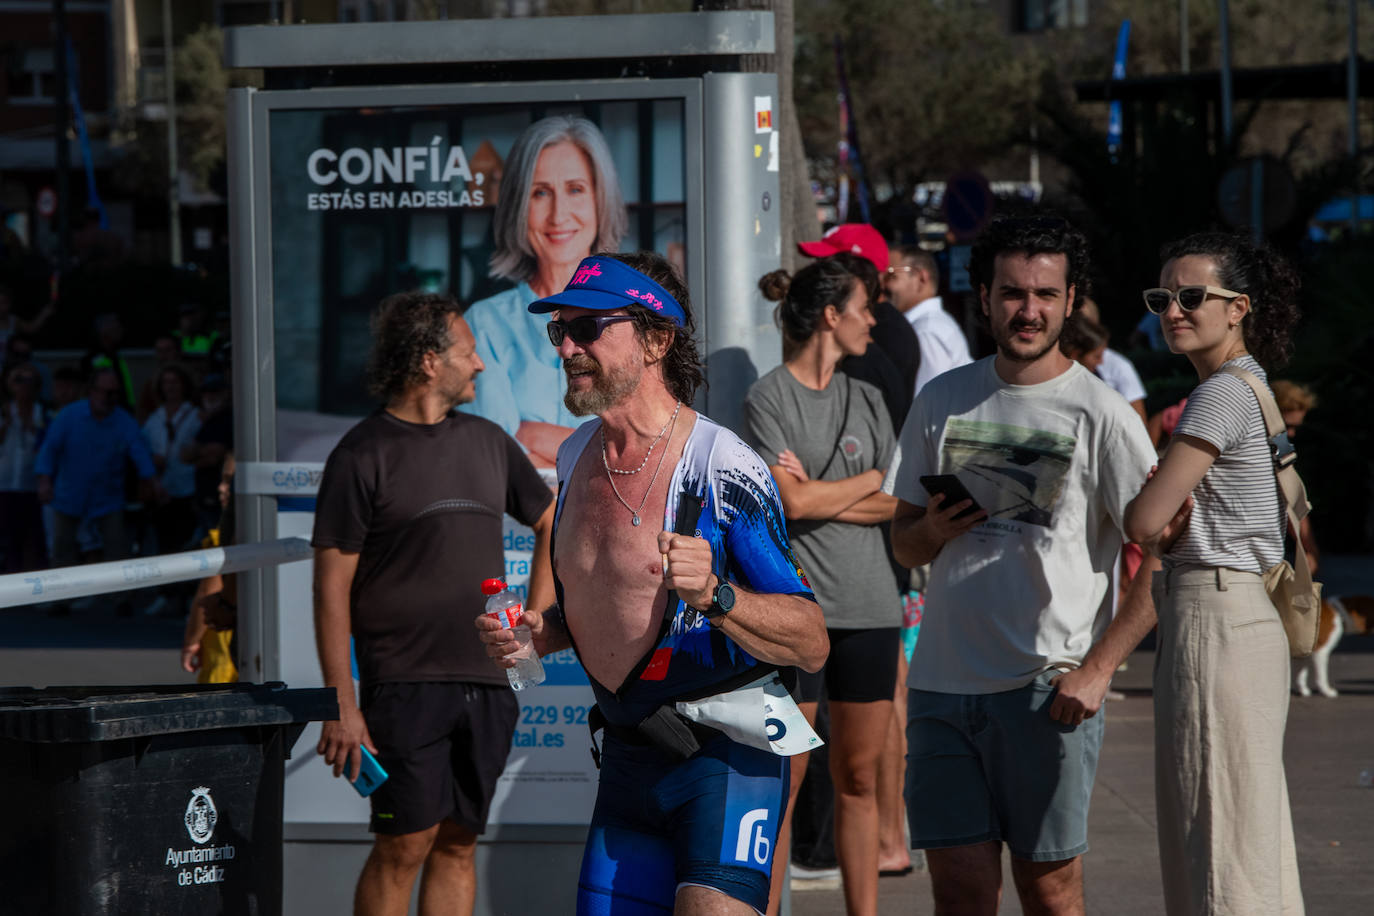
(370, 774)
(953, 490)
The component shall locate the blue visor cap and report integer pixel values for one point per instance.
(605, 284)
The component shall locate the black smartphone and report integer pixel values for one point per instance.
(953, 490)
(370, 774)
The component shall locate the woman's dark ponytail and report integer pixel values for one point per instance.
(803, 297)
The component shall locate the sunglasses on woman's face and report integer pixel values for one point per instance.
(1189, 297)
(583, 330)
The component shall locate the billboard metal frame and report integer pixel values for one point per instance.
(710, 33)
(730, 183)
(252, 296)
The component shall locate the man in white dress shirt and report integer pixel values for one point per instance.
(1115, 369)
(912, 283)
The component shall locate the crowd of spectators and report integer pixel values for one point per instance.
(911, 284)
(121, 453)
(112, 453)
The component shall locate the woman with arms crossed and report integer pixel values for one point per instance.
(1214, 513)
(828, 441)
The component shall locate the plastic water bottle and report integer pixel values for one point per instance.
(503, 606)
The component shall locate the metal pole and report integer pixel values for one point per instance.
(61, 115)
(1224, 25)
(1183, 35)
(69, 582)
(173, 183)
(1352, 84)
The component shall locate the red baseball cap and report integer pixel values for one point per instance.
(858, 238)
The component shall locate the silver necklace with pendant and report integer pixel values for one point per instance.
(605, 460)
(634, 513)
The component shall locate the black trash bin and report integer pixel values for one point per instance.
(147, 800)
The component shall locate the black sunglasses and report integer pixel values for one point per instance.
(582, 330)
(1189, 297)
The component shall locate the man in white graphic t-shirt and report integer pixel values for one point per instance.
(1019, 643)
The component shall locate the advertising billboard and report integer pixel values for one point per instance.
(370, 201)
(422, 155)
(493, 202)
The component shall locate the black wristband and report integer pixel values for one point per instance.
(555, 614)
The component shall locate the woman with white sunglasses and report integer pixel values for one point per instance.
(1214, 513)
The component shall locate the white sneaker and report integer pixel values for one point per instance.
(802, 878)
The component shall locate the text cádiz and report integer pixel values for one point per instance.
(201, 874)
(393, 200)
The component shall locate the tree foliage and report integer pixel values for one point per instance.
(1264, 33)
(933, 86)
(201, 84)
(613, 7)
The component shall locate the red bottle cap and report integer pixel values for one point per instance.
(493, 586)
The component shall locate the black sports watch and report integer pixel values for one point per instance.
(722, 603)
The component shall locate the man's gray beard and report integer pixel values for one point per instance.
(609, 389)
(464, 394)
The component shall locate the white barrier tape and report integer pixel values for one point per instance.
(122, 575)
(274, 478)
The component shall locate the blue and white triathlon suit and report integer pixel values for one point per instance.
(711, 820)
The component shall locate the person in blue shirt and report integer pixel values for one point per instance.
(559, 201)
(81, 465)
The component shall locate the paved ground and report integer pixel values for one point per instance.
(1329, 743)
(92, 646)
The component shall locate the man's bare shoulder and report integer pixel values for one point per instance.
(573, 447)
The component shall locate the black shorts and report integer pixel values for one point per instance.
(861, 667)
(443, 746)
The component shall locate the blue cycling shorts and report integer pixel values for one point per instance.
(659, 823)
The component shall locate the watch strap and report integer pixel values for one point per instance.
(715, 611)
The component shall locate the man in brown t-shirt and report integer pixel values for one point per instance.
(407, 525)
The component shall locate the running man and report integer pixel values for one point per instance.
(678, 589)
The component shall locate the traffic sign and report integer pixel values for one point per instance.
(968, 204)
(46, 202)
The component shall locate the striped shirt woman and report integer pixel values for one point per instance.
(1212, 511)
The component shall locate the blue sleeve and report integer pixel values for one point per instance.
(138, 449)
(759, 556)
(51, 449)
(495, 391)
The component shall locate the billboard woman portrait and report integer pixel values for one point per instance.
(560, 200)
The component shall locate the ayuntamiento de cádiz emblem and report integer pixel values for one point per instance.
(201, 815)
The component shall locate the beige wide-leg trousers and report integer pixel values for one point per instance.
(1221, 703)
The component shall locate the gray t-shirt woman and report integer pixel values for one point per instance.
(839, 431)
